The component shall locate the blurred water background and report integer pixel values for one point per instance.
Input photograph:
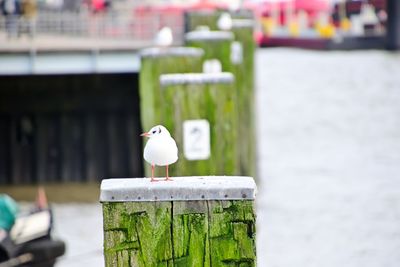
(328, 158)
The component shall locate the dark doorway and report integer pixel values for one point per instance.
(59, 128)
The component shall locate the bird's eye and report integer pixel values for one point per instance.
(153, 132)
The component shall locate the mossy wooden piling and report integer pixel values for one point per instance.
(191, 221)
(202, 96)
(243, 65)
(216, 45)
(157, 61)
(196, 19)
(235, 51)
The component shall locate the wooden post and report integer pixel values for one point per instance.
(242, 58)
(235, 51)
(157, 61)
(205, 99)
(194, 19)
(216, 45)
(191, 221)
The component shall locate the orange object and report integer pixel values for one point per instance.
(41, 199)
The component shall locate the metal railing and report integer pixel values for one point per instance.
(108, 25)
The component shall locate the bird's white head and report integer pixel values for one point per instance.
(158, 130)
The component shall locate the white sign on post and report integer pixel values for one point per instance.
(196, 139)
(236, 53)
(212, 66)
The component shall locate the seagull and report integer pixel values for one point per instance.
(164, 37)
(224, 22)
(160, 150)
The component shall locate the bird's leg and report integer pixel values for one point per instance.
(152, 174)
(167, 176)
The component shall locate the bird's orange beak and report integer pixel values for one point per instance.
(145, 134)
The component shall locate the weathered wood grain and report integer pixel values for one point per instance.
(190, 233)
(138, 235)
(180, 233)
(232, 233)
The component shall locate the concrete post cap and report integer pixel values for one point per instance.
(209, 36)
(180, 189)
(242, 23)
(196, 78)
(171, 51)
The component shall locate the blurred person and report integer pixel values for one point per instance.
(11, 9)
(29, 14)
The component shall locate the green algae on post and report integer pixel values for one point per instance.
(202, 96)
(235, 51)
(215, 44)
(210, 225)
(157, 61)
(244, 72)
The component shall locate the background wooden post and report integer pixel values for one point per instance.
(216, 45)
(202, 96)
(191, 221)
(235, 51)
(157, 61)
(194, 19)
(242, 58)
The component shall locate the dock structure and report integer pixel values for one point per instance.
(69, 108)
(66, 55)
(69, 97)
(74, 100)
(97, 42)
(190, 221)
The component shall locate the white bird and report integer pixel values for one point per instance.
(160, 150)
(164, 37)
(224, 22)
